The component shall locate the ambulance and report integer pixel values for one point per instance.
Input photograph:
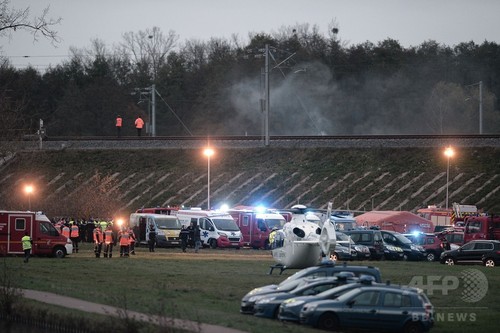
(167, 228)
(217, 228)
(47, 240)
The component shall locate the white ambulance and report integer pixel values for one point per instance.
(217, 228)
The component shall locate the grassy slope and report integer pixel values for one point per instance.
(353, 179)
(208, 286)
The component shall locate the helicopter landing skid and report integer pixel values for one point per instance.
(280, 266)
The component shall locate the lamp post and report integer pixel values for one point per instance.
(29, 189)
(208, 152)
(448, 152)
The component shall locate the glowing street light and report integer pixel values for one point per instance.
(208, 152)
(448, 152)
(29, 189)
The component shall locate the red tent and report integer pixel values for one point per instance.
(399, 221)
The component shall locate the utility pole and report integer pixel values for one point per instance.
(266, 88)
(153, 110)
(480, 107)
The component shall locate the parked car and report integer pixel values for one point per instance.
(411, 251)
(431, 243)
(454, 237)
(370, 238)
(268, 305)
(343, 253)
(387, 308)
(290, 309)
(294, 280)
(362, 252)
(470, 253)
(392, 252)
(491, 259)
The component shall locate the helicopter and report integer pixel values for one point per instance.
(306, 240)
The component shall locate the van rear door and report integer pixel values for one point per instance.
(19, 223)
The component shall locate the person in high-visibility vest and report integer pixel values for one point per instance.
(139, 123)
(118, 125)
(26, 241)
(124, 239)
(65, 231)
(74, 235)
(109, 241)
(98, 240)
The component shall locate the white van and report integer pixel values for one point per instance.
(217, 228)
(167, 228)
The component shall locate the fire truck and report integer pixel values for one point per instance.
(482, 227)
(46, 239)
(442, 217)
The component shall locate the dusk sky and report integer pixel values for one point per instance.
(410, 22)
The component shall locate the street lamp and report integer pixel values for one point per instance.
(29, 189)
(208, 152)
(448, 152)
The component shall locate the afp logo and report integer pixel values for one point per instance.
(472, 282)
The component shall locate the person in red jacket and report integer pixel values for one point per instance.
(139, 123)
(98, 240)
(118, 125)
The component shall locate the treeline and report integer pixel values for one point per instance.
(319, 85)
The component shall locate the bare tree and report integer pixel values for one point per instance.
(12, 19)
(149, 47)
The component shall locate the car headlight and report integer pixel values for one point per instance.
(254, 299)
(309, 308)
(294, 302)
(266, 300)
(222, 234)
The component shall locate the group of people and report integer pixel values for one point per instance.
(190, 235)
(107, 239)
(139, 124)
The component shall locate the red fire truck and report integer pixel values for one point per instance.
(46, 239)
(256, 225)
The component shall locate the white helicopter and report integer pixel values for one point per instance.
(305, 241)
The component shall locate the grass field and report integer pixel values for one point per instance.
(208, 286)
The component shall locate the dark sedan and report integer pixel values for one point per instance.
(471, 252)
(268, 305)
(377, 308)
(290, 309)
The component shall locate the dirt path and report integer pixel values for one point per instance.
(74, 303)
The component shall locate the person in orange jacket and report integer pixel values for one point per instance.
(124, 239)
(65, 231)
(118, 125)
(109, 241)
(139, 123)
